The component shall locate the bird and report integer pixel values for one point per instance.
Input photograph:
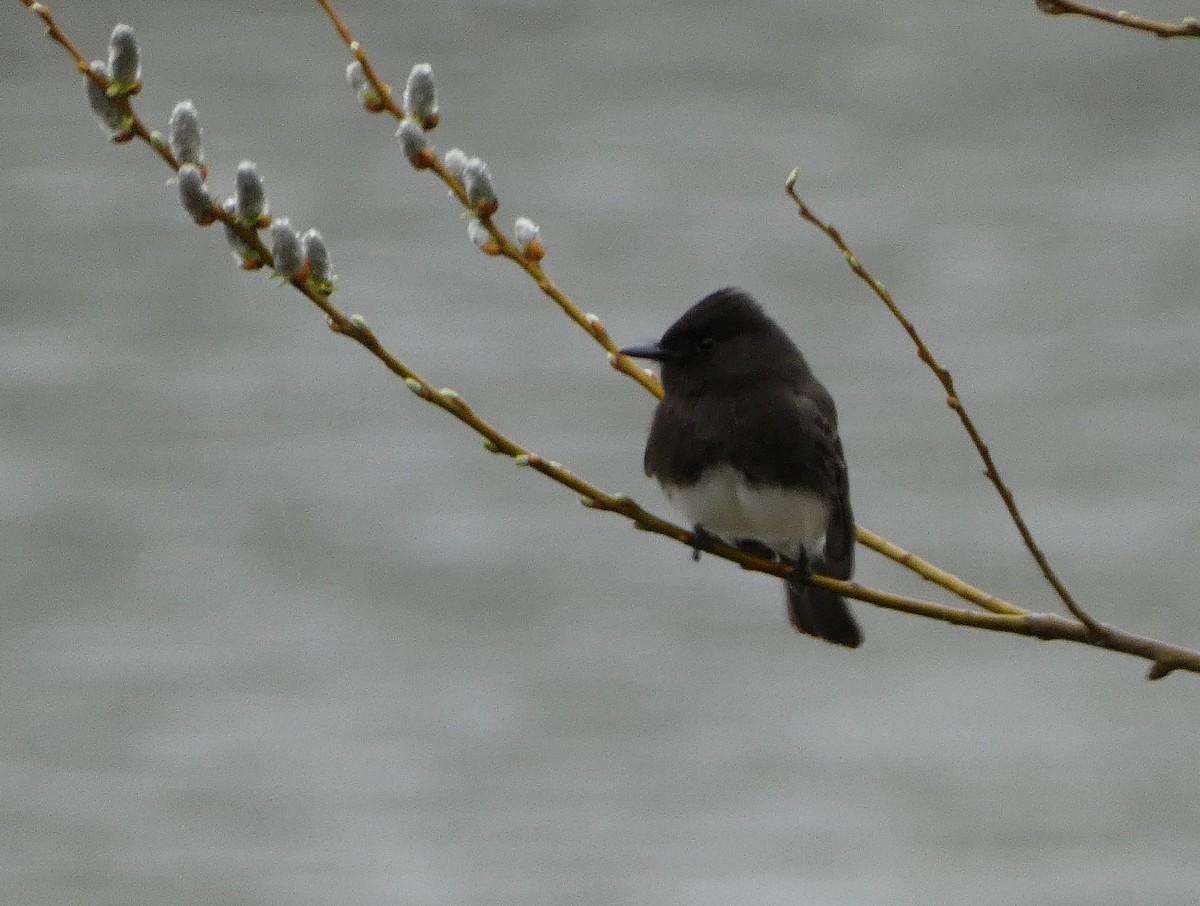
(744, 443)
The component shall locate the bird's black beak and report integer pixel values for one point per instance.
(651, 351)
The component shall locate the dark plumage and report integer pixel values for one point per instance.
(745, 443)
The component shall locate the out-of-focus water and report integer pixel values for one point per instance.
(274, 632)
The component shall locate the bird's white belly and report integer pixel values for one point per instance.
(781, 517)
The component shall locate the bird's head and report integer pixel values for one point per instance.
(724, 341)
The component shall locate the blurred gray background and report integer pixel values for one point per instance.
(274, 632)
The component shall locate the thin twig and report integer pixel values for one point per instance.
(1188, 27)
(952, 400)
(931, 573)
(56, 34)
(382, 90)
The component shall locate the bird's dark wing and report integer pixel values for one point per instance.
(800, 430)
(841, 536)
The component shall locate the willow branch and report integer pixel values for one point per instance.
(56, 34)
(1003, 616)
(136, 127)
(503, 246)
(1188, 27)
(383, 91)
(953, 400)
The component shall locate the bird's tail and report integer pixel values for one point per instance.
(819, 612)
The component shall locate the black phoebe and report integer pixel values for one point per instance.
(745, 444)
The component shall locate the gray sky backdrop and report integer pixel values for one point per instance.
(277, 633)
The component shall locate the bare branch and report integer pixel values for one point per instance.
(952, 400)
(1189, 27)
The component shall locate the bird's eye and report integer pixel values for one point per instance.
(704, 343)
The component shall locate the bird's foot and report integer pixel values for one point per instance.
(702, 540)
(801, 569)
